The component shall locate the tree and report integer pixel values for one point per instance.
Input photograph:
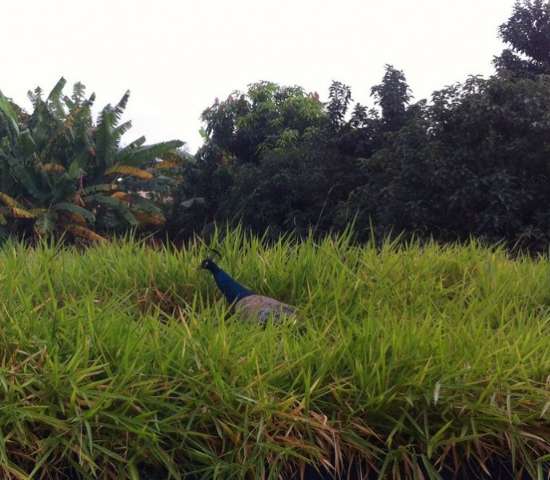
(339, 99)
(392, 95)
(473, 162)
(276, 157)
(61, 172)
(267, 116)
(246, 136)
(527, 32)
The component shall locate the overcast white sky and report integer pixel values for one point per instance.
(176, 56)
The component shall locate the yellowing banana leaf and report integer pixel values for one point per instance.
(132, 171)
(52, 167)
(103, 187)
(21, 213)
(76, 218)
(9, 201)
(122, 196)
(166, 164)
(38, 211)
(149, 219)
(79, 211)
(86, 233)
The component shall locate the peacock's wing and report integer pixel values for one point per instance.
(261, 309)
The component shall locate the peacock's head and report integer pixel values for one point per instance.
(208, 263)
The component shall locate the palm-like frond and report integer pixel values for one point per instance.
(143, 154)
(79, 93)
(24, 174)
(132, 146)
(86, 233)
(90, 101)
(121, 105)
(35, 96)
(105, 140)
(26, 145)
(55, 99)
(9, 113)
(115, 204)
(122, 129)
(145, 205)
(72, 208)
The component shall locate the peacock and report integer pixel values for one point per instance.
(247, 304)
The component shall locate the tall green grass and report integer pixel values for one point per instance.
(402, 360)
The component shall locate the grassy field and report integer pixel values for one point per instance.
(406, 361)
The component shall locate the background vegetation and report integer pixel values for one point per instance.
(473, 160)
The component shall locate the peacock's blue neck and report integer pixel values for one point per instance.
(232, 290)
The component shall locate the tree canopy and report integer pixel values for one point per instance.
(470, 160)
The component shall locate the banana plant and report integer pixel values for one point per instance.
(61, 172)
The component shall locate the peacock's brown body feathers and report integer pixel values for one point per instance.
(260, 308)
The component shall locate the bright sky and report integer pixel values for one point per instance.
(176, 56)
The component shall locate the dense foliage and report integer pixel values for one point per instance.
(473, 160)
(63, 173)
(527, 32)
